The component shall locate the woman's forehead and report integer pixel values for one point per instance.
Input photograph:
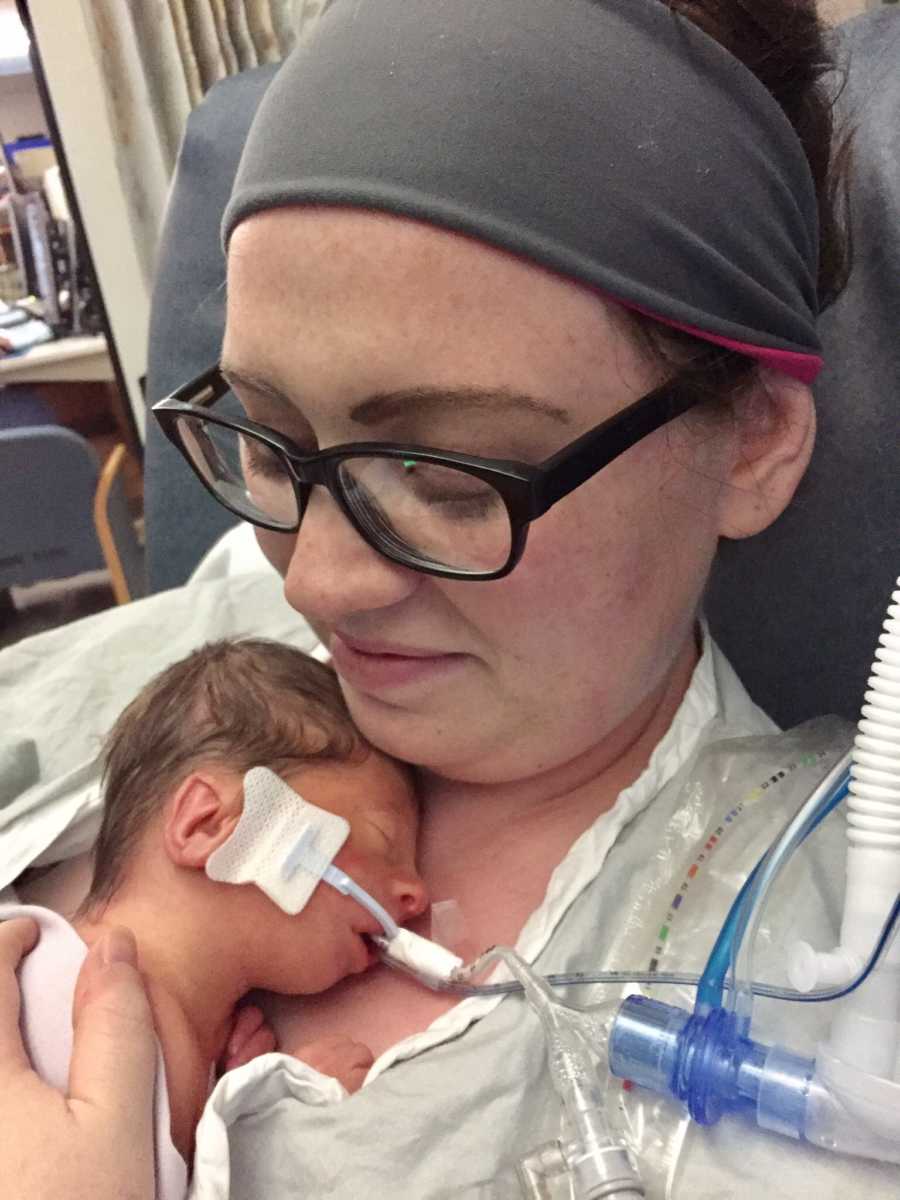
(436, 306)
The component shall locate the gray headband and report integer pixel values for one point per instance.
(608, 140)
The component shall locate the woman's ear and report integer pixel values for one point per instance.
(200, 816)
(774, 433)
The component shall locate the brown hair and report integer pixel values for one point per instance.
(785, 44)
(235, 703)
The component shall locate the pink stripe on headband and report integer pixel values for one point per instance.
(798, 365)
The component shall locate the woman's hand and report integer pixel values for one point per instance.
(96, 1143)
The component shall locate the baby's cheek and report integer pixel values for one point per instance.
(352, 861)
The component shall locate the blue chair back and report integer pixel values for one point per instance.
(48, 477)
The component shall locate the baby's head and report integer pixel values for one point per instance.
(174, 768)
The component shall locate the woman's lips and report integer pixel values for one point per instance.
(378, 666)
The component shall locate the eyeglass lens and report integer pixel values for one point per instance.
(436, 515)
(244, 472)
(441, 516)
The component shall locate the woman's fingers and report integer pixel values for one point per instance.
(114, 1052)
(16, 939)
(97, 1143)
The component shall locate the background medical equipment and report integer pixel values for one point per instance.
(847, 1097)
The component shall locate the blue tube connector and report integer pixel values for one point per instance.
(703, 1060)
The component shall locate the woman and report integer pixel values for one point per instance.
(450, 226)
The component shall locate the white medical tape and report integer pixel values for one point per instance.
(426, 960)
(282, 843)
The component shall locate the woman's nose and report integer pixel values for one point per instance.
(333, 572)
(409, 895)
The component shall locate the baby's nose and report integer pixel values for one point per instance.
(409, 895)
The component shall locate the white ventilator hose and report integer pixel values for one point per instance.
(866, 1030)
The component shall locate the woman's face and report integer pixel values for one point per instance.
(348, 326)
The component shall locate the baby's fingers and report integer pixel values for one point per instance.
(346, 1060)
(250, 1037)
(354, 1075)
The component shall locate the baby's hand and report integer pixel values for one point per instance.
(346, 1060)
(250, 1036)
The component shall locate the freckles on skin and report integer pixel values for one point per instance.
(621, 563)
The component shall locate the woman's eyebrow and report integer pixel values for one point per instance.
(254, 383)
(386, 406)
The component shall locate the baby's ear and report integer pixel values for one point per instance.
(200, 816)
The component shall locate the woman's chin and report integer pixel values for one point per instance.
(444, 743)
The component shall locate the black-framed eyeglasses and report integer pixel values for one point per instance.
(447, 514)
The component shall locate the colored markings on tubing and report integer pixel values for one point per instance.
(662, 937)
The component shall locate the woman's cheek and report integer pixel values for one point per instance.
(575, 563)
(277, 548)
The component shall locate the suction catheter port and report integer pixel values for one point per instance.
(591, 1155)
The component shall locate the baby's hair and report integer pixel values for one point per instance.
(238, 704)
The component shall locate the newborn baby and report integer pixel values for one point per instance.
(175, 766)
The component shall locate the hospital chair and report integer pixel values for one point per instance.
(799, 608)
(60, 513)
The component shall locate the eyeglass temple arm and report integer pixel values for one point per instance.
(576, 463)
(207, 388)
